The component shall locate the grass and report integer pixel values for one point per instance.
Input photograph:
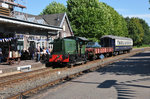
(141, 46)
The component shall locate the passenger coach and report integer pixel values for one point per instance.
(119, 44)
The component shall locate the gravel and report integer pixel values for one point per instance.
(22, 86)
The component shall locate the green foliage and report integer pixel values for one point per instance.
(141, 46)
(83, 18)
(116, 22)
(146, 29)
(136, 31)
(92, 19)
(53, 8)
(139, 31)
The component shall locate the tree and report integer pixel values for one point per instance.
(117, 22)
(146, 29)
(139, 30)
(92, 19)
(136, 31)
(83, 15)
(53, 8)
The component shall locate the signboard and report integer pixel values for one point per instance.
(5, 5)
(119, 42)
(21, 68)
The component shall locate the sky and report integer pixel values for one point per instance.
(130, 8)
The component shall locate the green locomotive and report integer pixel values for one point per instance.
(69, 50)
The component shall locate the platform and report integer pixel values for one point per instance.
(23, 65)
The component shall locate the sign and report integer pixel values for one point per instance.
(5, 5)
(27, 67)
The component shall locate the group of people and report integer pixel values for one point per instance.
(39, 53)
(42, 53)
(32, 53)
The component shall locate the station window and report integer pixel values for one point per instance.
(64, 28)
(64, 34)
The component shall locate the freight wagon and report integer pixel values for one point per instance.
(95, 51)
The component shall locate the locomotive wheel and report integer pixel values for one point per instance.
(48, 64)
(70, 65)
(110, 54)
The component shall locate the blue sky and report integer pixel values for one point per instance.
(131, 8)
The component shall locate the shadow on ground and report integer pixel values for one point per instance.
(123, 88)
(137, 64)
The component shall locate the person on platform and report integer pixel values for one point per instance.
(31, 52)
(48, 51)
(1, 55)
(38, 53)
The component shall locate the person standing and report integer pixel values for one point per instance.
(1, 55)
(31, 52)
(38, 53)
(48, 51)
(29, 49)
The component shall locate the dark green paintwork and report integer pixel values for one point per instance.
(57, 46)
(68, 46)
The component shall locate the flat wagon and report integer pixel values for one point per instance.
(94, 51)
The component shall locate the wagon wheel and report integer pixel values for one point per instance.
(18, 60)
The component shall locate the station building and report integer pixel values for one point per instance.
(31, 30)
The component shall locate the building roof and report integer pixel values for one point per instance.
(50, 19)
(5, 19)
(30, 17)
(54, 19)
(57, 19)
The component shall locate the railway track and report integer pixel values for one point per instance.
(8, 81)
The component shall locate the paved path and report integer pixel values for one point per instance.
(127, 79)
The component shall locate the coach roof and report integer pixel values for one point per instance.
(116, 37)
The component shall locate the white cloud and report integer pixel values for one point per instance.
(139, 15)
(122, 10)
(146, 17)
